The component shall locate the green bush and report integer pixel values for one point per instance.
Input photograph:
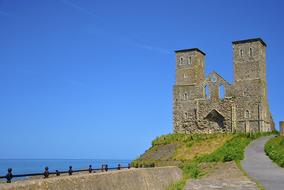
(274, 148)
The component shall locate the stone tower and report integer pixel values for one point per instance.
(199, 105)
(190, 73)
(250, 84)
(189, 67)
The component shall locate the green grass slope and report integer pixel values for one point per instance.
(175, 149)
(195, 154)
(231, 150)
(274, 148)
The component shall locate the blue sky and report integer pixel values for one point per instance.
(93, 79)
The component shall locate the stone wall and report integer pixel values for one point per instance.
(281, 128)
(132, 179)
(211, 104)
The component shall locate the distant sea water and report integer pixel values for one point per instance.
(22, 166)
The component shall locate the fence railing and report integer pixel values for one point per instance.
(9, 176)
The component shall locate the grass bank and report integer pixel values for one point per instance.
(274, 148)
(195, 154)
(175, 149)
(231, 150)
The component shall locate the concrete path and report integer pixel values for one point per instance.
(259, 166)
(225, 176)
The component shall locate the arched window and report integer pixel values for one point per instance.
(250, 52)
(222, 91)
(241, 52)
(207, 92)
(181, 60)
(247, 114)
(185, 96)
(185, 115)
(185, 75)
(189, 60)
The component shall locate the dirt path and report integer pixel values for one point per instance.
(261, 168)
(226, 176)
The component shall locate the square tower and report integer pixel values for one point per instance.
(250, 67)
(249, 59)
(190, 74)
(250, 87)
(190, 66)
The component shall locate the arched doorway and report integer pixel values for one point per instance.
(216, 120)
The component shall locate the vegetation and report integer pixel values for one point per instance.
(232, 150)
(174, 149)
(274, 148)
(195, 154)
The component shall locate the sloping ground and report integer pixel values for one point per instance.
(261, 168)
(225, 176)
(197, 154)
(274, 148)
(203, 164)
(174, 149)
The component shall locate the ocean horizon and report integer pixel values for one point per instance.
(23, 166)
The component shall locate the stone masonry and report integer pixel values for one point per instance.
(281, 126)
(211, 104)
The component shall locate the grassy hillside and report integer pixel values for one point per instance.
(274, 148)
(195, 154)
(174, 149)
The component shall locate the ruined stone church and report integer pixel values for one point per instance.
(211, 104)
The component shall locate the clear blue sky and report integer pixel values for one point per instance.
(93, 79)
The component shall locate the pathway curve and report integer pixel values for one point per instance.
(261, 168)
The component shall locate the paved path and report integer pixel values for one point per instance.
(226, 176)
(261, 168)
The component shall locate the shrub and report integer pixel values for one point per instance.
(274, 148)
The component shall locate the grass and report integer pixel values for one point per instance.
(274, 148)
(174, 149)
(232, 150)
(179, 185)
(195, 154)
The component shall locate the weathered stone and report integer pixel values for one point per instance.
(281, 126)
(244, 107)
(129, 179)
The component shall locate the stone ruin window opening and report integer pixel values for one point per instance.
(222, 92)
(213, 79)
(207, 91)
(250, 52)
(181, 61)
(241, 52)
(185, 75)
(189, 60)
(247, 114)
(186, 115)
(185, 96)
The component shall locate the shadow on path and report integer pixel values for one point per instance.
(261, 168)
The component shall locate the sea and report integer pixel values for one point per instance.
(23, 166)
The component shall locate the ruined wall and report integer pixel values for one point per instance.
(198, 105)
(281, 128)
(133, 179)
